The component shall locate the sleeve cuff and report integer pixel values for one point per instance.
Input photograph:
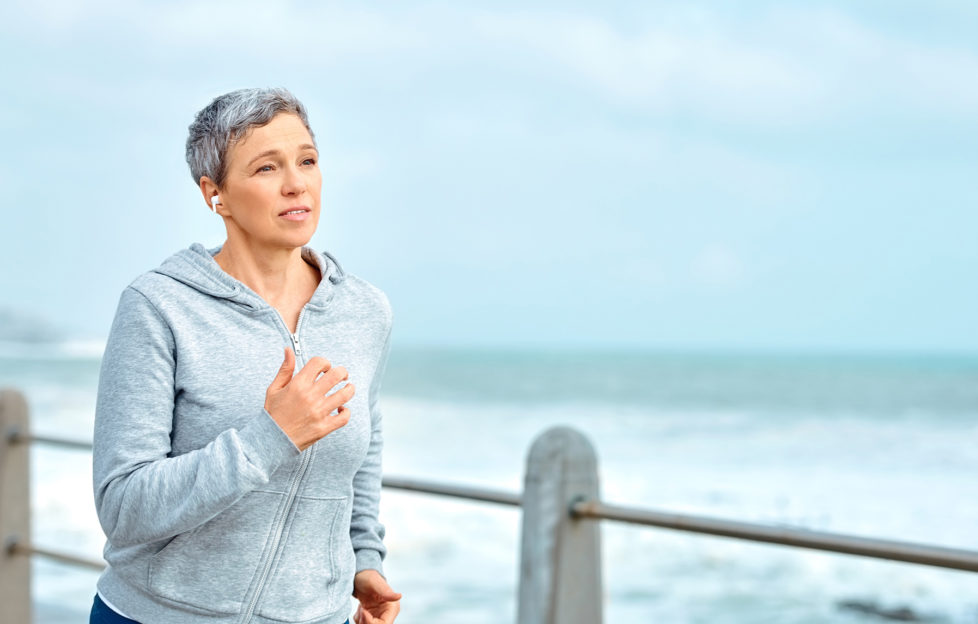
(369, 559)
(265, 444)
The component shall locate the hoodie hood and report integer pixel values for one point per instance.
(196, 267)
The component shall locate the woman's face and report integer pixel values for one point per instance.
(272, 190)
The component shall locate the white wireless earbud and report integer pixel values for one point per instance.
(214, 202)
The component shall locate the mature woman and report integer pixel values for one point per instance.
(237, 458)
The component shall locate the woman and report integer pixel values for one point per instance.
(230, 487)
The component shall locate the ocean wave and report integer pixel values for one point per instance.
(72, 349)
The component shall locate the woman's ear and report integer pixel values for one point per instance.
(210, 192)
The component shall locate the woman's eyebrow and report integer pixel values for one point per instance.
(273, 152)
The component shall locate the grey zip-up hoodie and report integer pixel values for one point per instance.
(211, 512)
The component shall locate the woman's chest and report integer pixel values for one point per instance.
(223, 372)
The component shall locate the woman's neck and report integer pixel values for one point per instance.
(276, 275)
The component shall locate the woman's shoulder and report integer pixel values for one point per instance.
(190, 268)
(368, 296)
(356, 288)
(367, 289)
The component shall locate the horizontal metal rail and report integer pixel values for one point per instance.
(801, 538)
(456, 491)
(16, 547)
(14, 436)
(908, 552)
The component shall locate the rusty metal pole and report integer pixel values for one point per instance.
(15, 509)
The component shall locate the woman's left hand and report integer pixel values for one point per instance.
(379, 604)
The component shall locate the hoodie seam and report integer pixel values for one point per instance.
(218, 287)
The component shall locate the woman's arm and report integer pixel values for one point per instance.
(141, 494)
(366, 531)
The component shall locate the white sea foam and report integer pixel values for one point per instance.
(74, 349)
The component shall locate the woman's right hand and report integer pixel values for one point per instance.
(299, 404)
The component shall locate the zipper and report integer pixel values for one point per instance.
(296, 345)
(277, 540)
(293, 489)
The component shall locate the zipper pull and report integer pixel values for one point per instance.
(295, 343)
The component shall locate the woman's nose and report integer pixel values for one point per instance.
(294, 183)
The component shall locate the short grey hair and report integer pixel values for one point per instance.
(223, 122)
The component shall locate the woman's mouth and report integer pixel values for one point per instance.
(300, 213)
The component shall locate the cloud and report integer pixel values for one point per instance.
(250, 28)
(780, 66)
(899, 72)
(793, 65)
(659, 69)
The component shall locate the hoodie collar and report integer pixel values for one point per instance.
(196, 267)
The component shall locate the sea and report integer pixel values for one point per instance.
(869, 445)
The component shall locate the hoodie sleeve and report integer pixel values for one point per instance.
(366, 531)
(141, 493)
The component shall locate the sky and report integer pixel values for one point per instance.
(668, 175)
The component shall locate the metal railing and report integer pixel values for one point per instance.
(560, 571)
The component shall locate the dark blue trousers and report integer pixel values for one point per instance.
(102, 614)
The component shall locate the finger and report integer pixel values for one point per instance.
(332, 422)
(336, 400)
(312, 369)
(337, 420)
(366, 617)
(390, 613)
(382, 591)
(333, 376)
(284, 374)
(386, 594)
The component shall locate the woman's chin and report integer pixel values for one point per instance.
(299, 241)
(293, 236)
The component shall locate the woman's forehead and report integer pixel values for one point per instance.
(285, 132)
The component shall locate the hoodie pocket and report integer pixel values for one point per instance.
(314, 573)
(212, 566)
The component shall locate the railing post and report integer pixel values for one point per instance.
(560, 568)
(15, 509)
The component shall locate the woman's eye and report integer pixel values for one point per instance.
(265, 168)
(311, 161)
